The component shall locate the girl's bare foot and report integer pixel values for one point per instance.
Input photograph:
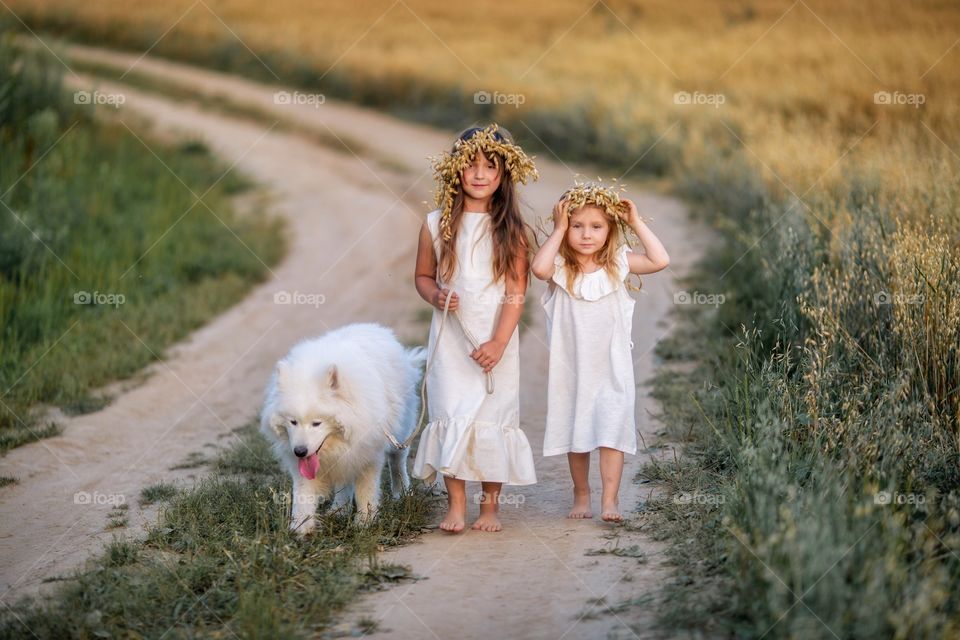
(581, 505)
(489, 506)
(610, 511)
(454, 520)
(611, 469)
(456, 506)
(487, 522)
(579, 471)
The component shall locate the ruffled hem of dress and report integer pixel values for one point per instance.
(499, 453)
(556, 451)
(595, 285)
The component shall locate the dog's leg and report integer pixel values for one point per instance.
(306, 496)
(342, 497)
(367, 490)
(399, 478)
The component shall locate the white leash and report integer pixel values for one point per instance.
(423, 384)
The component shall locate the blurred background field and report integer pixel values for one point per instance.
(822, 140)
(596, 79)
(113, 245)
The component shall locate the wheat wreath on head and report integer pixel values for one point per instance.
(448, 167)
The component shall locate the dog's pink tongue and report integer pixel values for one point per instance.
(309, 466)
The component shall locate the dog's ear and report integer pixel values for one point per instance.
(333, 378)
(279, 424)
(283, 372)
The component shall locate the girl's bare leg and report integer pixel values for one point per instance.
(456, 505)
(580, 472)
(611, 469)
(489, 506)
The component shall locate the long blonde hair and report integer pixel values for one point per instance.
(606, 257)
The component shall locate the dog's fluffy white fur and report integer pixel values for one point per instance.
(325, 410)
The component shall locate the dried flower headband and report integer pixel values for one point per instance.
(448, 167)
(607, 198)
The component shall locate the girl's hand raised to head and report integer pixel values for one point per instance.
(632, 215)
(488, 354)
(440, 299)
(561, 217)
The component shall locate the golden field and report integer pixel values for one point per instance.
(797, 78)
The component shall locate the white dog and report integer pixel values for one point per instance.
(327, 407)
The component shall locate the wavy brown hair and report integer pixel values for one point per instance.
(606, 257)
(512, 237)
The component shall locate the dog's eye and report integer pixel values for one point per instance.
(317, 423)
(293, 422)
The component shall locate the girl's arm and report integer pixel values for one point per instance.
(488, 354)
(543, 266)
(655, 257)
(425, 278)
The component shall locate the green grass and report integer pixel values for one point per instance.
(194, 460)
(801, 403)
(159, 492)
(89, 213)
(221, 562)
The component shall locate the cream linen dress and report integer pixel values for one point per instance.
(471, 434)
(591, 393)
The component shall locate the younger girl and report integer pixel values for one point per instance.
(474, 250)
(591, 388)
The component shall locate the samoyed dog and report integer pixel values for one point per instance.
(327, 409)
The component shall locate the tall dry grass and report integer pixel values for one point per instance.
(596, 79)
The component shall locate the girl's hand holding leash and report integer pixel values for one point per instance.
(488, 354)
(440, 299)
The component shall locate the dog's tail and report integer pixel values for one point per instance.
(417, 357)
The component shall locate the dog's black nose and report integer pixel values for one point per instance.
(300, 451)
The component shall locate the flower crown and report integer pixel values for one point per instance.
(607, 198)
(602, 196)
(447, 167)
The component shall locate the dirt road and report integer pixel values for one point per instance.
(353, 217)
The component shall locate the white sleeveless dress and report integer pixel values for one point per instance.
(471, 434)
(591, 392)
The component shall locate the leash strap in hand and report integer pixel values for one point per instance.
(423, 384)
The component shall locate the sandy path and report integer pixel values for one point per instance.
(353, 219)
